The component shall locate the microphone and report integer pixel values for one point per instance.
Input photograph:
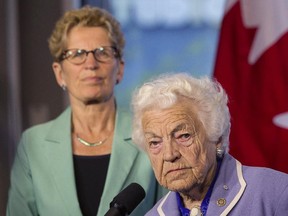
(126, 201)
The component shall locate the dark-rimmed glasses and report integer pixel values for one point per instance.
(79, 56)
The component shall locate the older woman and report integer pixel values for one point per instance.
(76, 163)
(183, 124)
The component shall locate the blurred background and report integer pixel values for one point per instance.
(161, 36)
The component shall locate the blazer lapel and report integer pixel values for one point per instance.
(228, 188)
(168, 205)
(121, 161)
(60, 158)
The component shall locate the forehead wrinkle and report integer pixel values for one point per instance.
(148, 125)
(150, 134)
(167, 120)
(84, 40)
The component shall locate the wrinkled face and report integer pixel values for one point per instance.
(91, 81)
(180, 154)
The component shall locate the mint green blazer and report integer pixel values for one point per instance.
(42, 177)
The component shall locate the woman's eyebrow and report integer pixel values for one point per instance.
(178, 128)
(149, 133)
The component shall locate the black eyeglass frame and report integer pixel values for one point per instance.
(64, 54)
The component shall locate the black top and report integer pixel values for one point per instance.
(90, 176)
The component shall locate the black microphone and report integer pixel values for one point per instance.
(126, 201)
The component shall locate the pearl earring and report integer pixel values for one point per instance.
(219, 152)
(63, 87)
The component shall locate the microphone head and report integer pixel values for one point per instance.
(128, 199)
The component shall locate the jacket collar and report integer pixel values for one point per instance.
(229, 187)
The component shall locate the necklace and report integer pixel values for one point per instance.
(90, 144)
(196, 211)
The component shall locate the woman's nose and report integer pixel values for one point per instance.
(91, 61)
(170, 152)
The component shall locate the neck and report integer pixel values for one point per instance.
(196, 195)
(94, 118)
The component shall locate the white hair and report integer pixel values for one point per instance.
(206, 94)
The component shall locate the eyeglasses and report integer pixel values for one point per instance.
(79, 56)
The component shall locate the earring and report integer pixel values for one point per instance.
(117, 81)
(219, 152)
(63, 87)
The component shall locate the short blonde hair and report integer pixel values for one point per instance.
(86, 17)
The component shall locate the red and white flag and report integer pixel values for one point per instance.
(252, 65)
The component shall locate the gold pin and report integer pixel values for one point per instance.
(221, 202)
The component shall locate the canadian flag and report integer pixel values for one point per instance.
(252, 65)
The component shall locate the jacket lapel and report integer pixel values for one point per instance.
(168, 205)
(122, 157)
(60, 158)
(228, 188)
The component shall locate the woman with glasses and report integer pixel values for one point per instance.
(77, 163)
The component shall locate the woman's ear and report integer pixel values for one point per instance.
(57, 68)
(120, 72)
(219, 142)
